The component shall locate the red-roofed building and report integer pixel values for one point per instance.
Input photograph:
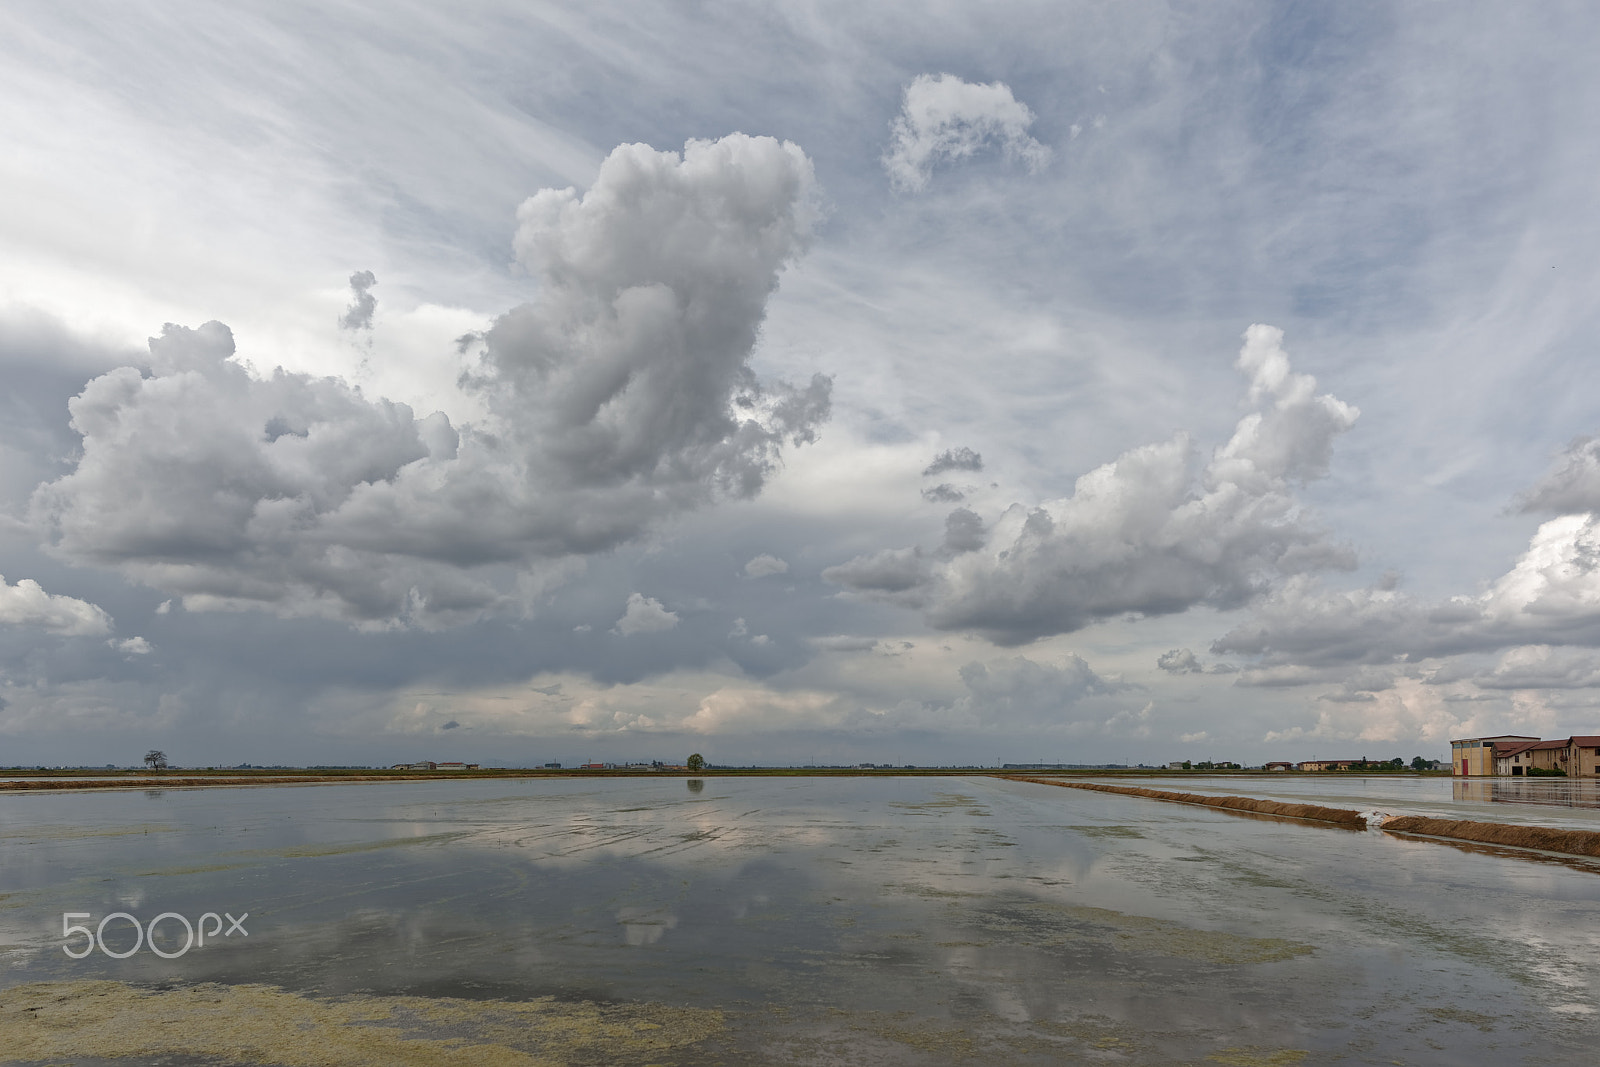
(1522, 758)
(1513, 755)
(1582, 756)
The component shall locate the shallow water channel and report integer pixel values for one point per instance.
(780, 921)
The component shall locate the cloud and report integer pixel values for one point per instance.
(1542, 667)
(644, 615)
(133, 646)
(451, 725)
(764, 566)
(943, 493)
(844, 643)
(358, 316)
(945, 119)
(26, 604)
(1144, 534)
(963, 531)
(620, 395)
(1183, 661)
(1551, 596)
(1574, 483)
(954, 459)
(1017, 689)
(1179, 661)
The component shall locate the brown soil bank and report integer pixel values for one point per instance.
(1352, 820)
(1544, 838)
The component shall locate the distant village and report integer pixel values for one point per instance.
(1507, 755)
(653, 765)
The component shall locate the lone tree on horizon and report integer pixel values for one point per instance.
(695, 762)
(157, 759)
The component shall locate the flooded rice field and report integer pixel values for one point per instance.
(961, 920)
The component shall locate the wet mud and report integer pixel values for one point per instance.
(259, 1024)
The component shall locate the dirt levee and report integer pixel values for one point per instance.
(1545, 838)
(1352, 820)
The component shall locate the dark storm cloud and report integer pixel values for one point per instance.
(621, 394)
(1142, 534)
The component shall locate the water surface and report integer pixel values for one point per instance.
(846, 920)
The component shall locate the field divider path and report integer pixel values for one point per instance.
(1419, 827)
(1511, 835)
(1340, 817)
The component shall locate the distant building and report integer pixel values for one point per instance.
(1513, 755)
(552, 766)
(1332, 764)
(1278, 765)
(453, 766)
(1474, 756)
(1583, 756)
(424, 765)
(1526, 757)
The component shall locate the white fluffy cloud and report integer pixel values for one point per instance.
(945, 119)
(1144, 534)
(620, 394)
(27, 604)
(645, 615)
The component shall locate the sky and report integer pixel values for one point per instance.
(796, 383)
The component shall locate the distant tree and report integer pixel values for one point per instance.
(1397, 762)
(1418, 763)
(696, 763)
(1186, 766)
(157, 759)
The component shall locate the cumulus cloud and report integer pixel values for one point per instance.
(133, 646)
(764, 566)
(1551, 596)
(619, 395)
(1179, 661)
(1146, 534)
(1573, 485)
(1184, 661)
(954, 459)
(644, 615)
(358, 316)
(26, 604)
(945, 119)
